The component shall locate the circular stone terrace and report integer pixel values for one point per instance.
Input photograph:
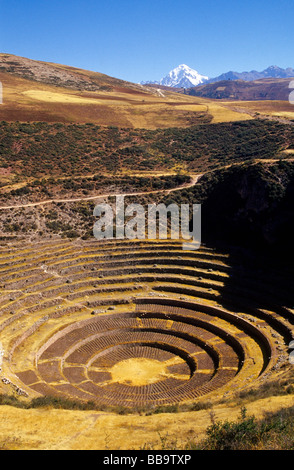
(135, 323)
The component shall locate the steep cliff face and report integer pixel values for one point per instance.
(251, 205)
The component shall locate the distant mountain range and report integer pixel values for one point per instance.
(271, 72)
(186, 77)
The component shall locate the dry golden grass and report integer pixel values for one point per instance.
(286, 114)
(142, 371)
(123, 106)
(52, 97)
(281, 109)
(51, 429)
(115, 102)
(223, 114)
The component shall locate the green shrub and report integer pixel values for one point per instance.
(229, 435)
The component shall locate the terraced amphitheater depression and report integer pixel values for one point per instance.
(134, 323)
(129, 343)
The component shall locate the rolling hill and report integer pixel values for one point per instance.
(40, 91)
(256, 90)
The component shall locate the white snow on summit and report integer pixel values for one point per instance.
(180, 77)
(183, 77)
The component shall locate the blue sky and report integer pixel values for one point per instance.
(141, 40)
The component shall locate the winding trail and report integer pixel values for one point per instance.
(192, 182)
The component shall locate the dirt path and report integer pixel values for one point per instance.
(193, 181)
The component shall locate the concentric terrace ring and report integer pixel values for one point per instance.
(132, 324)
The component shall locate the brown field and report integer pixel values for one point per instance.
(25, 100)
(278, 109)
(40, 91)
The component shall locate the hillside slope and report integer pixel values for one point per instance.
(263, 89)
(40, 91)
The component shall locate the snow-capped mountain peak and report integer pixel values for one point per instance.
(183, 77)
